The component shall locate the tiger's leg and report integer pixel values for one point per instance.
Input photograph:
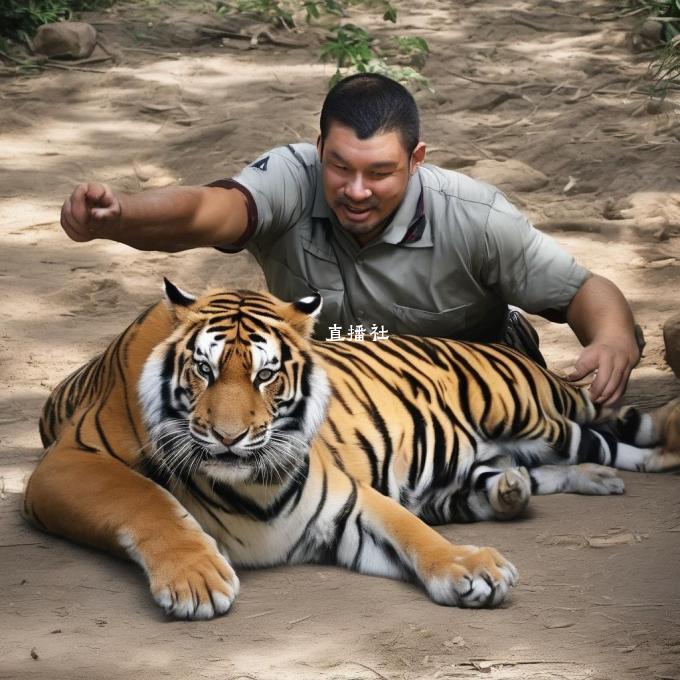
(382, 537)
(594, 444)
(660, 426)
(499, 491)
(586, 478)
(94, 499)
(503, 493)
(627, 439)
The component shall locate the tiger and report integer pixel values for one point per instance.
(214, 433)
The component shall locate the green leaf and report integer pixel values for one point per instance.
(390, 14)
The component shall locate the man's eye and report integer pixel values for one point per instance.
(265, 374)
(203, 368)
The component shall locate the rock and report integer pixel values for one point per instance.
(656, 106)
(510, 175)
(648, 36)
(652, 31)
(671, 338)
(65, 39)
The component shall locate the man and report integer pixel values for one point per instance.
(384, 238)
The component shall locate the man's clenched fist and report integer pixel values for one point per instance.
(91, 211)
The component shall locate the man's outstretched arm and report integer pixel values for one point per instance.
(169, 219)
(602, 320)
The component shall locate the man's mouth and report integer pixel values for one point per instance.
(357, 213)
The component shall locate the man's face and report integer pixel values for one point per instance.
(365, 180)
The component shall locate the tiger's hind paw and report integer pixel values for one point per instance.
(511, 493)
(480, 578)
(595, 480)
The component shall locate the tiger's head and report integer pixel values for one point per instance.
(235, 391)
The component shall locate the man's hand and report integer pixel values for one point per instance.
(91, 211)
(611, 363)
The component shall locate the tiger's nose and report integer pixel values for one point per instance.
(227, 438)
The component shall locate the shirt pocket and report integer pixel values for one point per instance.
(447, 323)
(322, 267)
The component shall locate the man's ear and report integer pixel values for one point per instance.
(417, 157)
(319, 146)
(178, 300)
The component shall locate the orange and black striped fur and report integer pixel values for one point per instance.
(213, 432)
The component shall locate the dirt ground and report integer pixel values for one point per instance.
(547, 83)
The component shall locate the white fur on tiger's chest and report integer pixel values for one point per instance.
(287, 537)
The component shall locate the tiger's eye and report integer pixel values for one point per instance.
(265, 374)
(203, 367)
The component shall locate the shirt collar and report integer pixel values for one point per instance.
(409, 226)
(321, 208)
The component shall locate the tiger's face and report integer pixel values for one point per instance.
(234, 392)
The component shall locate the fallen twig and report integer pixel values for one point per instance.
(543, 27)
(578, 96)
(296, 621)
(619, 15)
(223, 32)
(274, 40)
(641, 605)
(63, 67)
(482, 81)
(506, 126)
(148, 50)
(20, 62)
(255, 616)
(368, 668)
(483, 664)
(89, 60)
(253, 38)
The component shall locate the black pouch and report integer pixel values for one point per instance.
(519, 334)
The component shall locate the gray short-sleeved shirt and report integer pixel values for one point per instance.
(455, 254)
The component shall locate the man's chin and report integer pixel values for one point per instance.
(356, 226)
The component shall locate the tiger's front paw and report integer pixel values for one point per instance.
(194, 582)
(480, 577)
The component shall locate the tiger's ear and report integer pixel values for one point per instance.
(179, 300)
(303, 312)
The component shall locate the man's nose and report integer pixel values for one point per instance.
(356, 190)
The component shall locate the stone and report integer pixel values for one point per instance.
(73, 39)
(510, 175)
(671, 339)
(652, 31)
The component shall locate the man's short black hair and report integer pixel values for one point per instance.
(370, 103)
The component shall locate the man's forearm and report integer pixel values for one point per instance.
(599, 312)
(162, 219)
